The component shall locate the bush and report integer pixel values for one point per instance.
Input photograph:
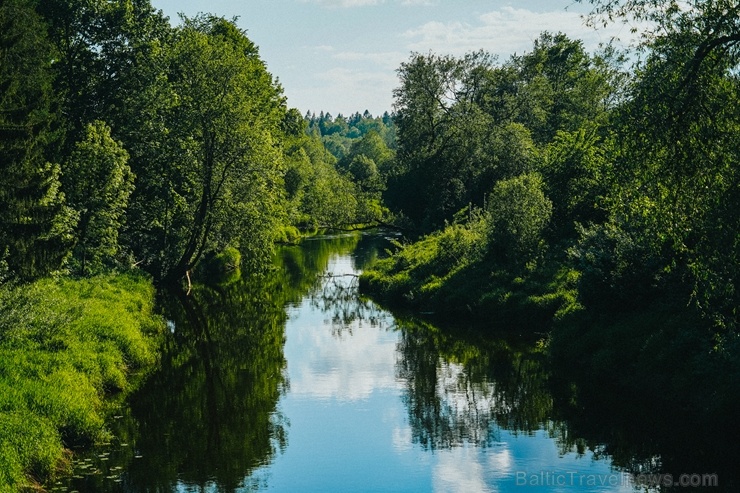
(223, 267)
(519, 213)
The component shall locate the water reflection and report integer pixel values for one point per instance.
(460, 391)
(209, 414)
(356, 355)
(292, 382)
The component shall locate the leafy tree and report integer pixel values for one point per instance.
(98, 183)
(440, 130)
(97, 43)
(329, 198)
(576, 174)
(317, 193)
(368, 162)
(213, 181)
(519, 213)
(562, 86)
(679, 134)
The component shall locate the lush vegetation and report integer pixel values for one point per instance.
(125, 141)
(583, 197)
(361, 149)
(558, 190)
(64, 346)
(128, 143)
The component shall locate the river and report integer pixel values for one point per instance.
(294, 383)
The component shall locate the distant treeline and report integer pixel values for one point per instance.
(338, 134)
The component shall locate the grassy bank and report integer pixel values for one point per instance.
(451, 274)
(65, 347)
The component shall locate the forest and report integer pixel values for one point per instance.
(588, 197)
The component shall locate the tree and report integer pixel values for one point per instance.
(519, 212)
(97, 43)
(368, 162)
(556, 86)
(98, 183)
(219, 168)
(440, 130)
(34, 220)
(680, 132)
(576, 174)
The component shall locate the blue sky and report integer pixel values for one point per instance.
(341, 56)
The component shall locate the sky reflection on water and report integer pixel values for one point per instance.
(349, 426)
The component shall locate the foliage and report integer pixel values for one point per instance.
(466, 123)
(35, 223)
(677, 162)
(339, 134)
(636, 171)
(319, 195)
(519, 213)
(417, 270)
(462, 390)
(217, 389)
(576, 177)
(64, 345)
(171, 143)
(221, 268)
(221, 121)
(98, 184)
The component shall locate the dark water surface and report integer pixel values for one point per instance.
(294, 383)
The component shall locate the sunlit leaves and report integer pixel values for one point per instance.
(98, 183)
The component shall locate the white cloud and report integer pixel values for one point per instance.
(342, 369)
(505, 32)
(500, 462)
(459, 470)
(349, 367)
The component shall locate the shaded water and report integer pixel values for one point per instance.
(292, 382)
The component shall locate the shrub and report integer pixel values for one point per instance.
(519, 212)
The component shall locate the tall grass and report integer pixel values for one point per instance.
(65, 345)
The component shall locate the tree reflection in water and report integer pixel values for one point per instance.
(209, 416)
(463, 392)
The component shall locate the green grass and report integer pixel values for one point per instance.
(452, 274)
(66, 345)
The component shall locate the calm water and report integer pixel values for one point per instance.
(293, 383)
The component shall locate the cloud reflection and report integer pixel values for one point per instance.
(348, 365)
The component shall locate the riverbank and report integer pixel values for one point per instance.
(451, 275)
(650, 343)
(68, 348)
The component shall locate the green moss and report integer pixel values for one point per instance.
(65, 345)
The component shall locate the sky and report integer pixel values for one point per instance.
(341, 56)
